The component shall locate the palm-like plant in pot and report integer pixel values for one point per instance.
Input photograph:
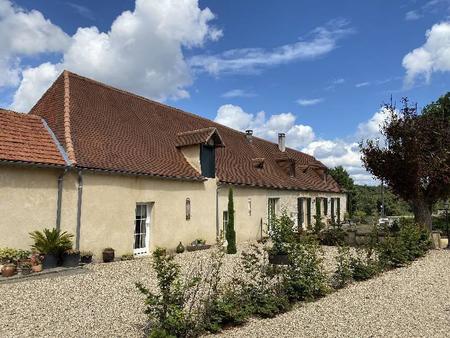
(281, 232)
(51, 243)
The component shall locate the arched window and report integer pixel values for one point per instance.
(188, 209)
(249, 206)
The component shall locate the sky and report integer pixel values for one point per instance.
(318, 71)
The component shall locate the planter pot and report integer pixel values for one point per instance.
(108, 256)
(198, 247)
(279, 259)
(86, 259)
(36, 268)
(70, 260)
(50, 262)
(8, 270)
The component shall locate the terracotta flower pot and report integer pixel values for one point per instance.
(36, 268)
(9, 270)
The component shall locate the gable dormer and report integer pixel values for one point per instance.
(199, 149)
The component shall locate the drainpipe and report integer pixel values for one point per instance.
(80, 197)
(217, 212)
(59, 201)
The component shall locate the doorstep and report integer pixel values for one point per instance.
(55, 272)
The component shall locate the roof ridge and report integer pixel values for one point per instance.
(196, 131)
(67, 131)
(12, 112)
(177, 109)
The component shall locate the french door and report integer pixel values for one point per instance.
(142, 229)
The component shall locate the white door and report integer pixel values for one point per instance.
(142, 230)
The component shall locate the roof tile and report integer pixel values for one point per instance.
(24, 138)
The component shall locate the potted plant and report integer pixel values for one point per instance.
(86, 257)
(71, 258)
(198, 244)
(281, 233)
(108, 255)
(25, 268)
(51, 243)
(127, 257)
(36, 262)
(9, 269)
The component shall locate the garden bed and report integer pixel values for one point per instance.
(61, 271)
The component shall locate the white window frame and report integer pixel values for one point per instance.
(142, 251)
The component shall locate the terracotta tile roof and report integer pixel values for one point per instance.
(24, 138)
(111, 129)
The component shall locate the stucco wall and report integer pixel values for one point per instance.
(192, 155)
(29, 196)
(108, 211)
(248, 224)
(27, 203)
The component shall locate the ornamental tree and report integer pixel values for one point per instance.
(414, 158)
(230, 233)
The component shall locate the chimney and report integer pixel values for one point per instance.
(282, 142)
(249, 135)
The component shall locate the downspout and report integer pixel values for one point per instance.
(80, 198)
(59, 201)
(217, 212)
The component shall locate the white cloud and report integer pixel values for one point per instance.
(433, 56)
(142, 52)
(24, 33)
(334, 83)
(412, 15)
(82, 10)
(362, 84)
(319, 42)
(35, 80)
(371, 128)
(332, 153)
(238, 93)
(309, 102)
(297, 135)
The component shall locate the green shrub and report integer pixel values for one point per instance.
(166, 309)
(343, 274)
(260, 284)
(9, 255)
(304, 277)
(410, 243)
(227, 309)
(51, 242)
(332, 236)
(415, 239)
(363, 265)
(282, 234)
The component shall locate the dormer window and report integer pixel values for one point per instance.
(199, 149)
(258, 163)
(287, 165)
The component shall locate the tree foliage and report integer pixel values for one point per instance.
(342, 177)
(414, 159)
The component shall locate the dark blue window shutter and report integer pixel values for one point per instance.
(208, 160)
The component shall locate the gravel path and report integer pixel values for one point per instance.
(103, 302)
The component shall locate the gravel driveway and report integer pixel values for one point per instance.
(103, 302)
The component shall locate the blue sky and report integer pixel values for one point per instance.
(318, 71)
